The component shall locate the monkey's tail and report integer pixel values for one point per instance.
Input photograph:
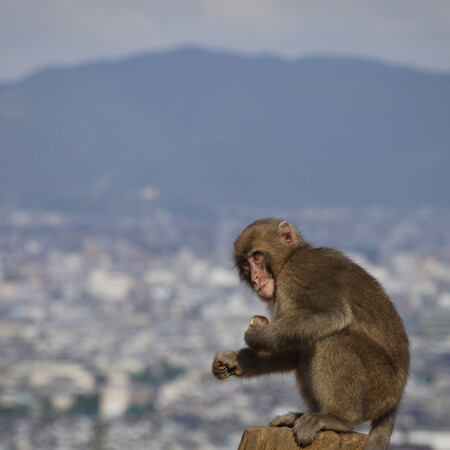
(380, 431)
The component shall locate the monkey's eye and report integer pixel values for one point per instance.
(257, 256)
(244, 269)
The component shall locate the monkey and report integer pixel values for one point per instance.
(331, 323)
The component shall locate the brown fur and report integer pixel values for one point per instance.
(334, 325)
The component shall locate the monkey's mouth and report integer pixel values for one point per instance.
(257, 289)
(266, 289)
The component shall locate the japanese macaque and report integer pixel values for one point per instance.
(332, 323)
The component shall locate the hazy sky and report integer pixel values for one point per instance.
(36, 33)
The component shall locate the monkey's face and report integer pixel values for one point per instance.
(255, 270)
(261, 251)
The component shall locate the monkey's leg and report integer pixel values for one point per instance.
(336, 384)
(306, 427)
(285, 420)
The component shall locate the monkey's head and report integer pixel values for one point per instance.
(261, 250)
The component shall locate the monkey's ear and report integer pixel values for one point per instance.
(288, 234)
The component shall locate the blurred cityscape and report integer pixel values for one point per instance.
(109, 324)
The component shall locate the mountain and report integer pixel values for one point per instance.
(204, 128)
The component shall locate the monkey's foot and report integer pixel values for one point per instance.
(285, 420)
(305, 428)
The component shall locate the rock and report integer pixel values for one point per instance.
(281, 438)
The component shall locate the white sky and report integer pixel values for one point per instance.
(37, 33)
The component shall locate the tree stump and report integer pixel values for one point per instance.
(281, 438)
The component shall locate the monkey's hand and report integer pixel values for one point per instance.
(225, 364)
(256, 333)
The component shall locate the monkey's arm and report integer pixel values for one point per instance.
(250, 363)
(256, 363)
(298, 326)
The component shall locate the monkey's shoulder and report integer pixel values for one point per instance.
(326, 267)
(320, 259)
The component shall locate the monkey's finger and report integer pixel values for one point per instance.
(221, 375)
(224, 368)
(221, 371)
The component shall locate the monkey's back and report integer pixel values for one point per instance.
(373, 344)
(326, 278)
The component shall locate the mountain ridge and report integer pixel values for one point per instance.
(209, 128)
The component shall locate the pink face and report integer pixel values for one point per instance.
(261, 280)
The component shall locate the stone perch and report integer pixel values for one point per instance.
(281, 438)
